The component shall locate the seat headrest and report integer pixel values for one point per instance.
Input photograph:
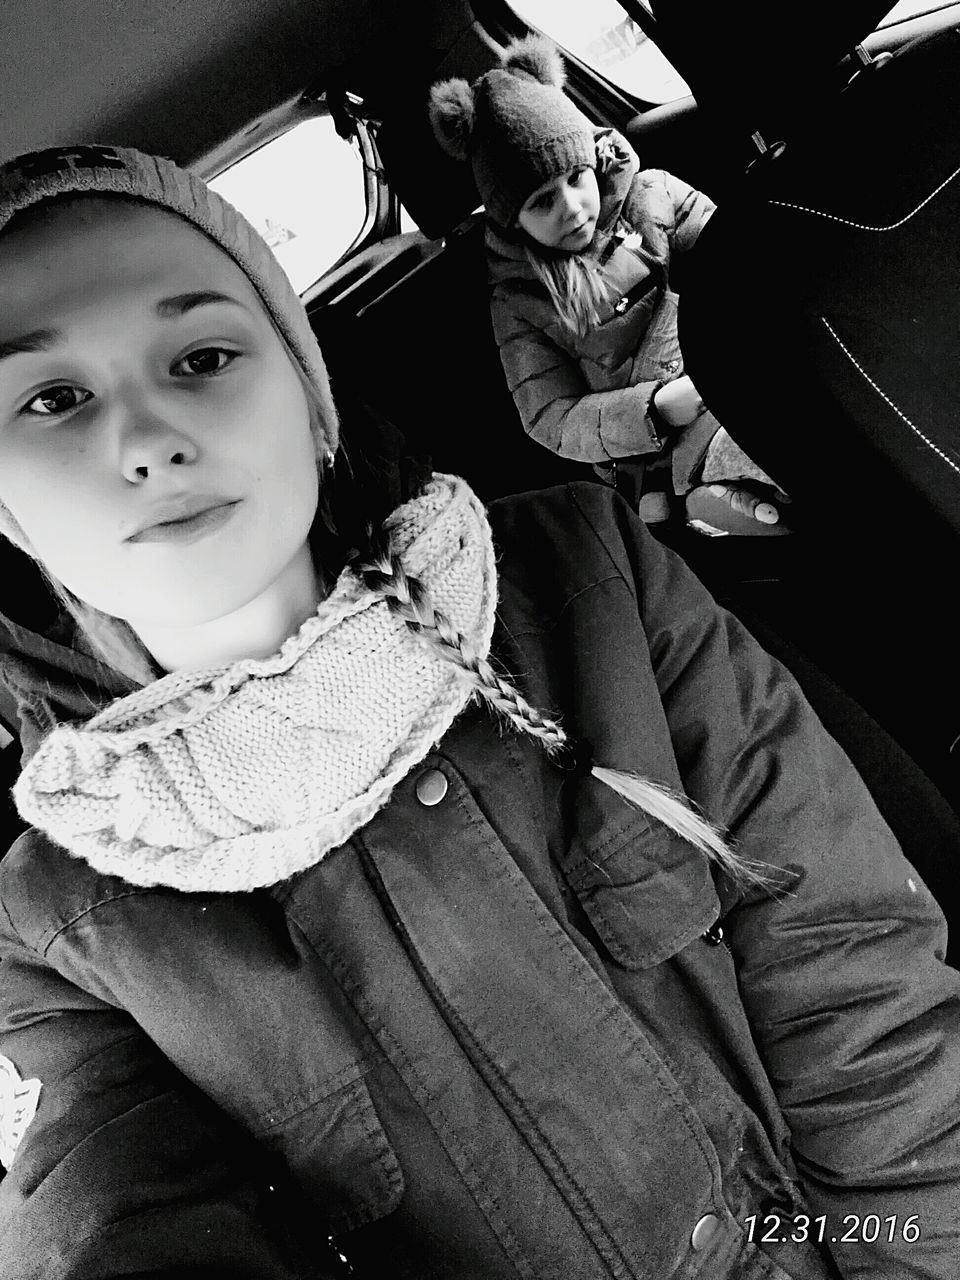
(757, 66)
(437, 191)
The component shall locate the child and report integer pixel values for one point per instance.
(580, 245)
(313, 966)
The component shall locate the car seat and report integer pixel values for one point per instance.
(422, 355)
(836, 250)
(757, 70)
(842, 378)
(419, 346)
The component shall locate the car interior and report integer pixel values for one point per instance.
(819, 315)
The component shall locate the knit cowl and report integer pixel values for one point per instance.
(236, 777)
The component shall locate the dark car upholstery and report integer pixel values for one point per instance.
(422, 354)
(750, 69)
(850, 392)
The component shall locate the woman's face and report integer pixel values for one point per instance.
(141, 382)
(562, 214)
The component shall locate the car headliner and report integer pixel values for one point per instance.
(199, 80)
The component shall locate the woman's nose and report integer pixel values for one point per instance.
(159, 462)
(150, 446)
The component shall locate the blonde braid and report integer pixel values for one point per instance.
(382, 571)
(408, 598)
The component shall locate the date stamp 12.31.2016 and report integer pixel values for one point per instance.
(852, 1228)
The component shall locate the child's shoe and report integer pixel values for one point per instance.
(717, 509)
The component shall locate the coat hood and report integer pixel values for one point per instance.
(617, 167)
(46, 672)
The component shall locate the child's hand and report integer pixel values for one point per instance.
(678, 403)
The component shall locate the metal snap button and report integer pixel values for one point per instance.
(431, 787)
(704, 1231)
(714, 935)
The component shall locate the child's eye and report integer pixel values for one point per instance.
(203, 362)
(577, 177)
(59, 399)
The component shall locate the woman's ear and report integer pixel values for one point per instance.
(452, 114)
(538, 57)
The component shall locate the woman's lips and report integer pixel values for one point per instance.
(190, 528)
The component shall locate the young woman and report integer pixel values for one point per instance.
(580, 245)
(367, 923)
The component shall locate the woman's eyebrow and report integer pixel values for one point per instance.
(178, 305)
(36, 340)
(181, 303)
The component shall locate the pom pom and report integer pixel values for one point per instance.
(538, 57)
(452, 114)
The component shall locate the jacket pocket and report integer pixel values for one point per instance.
(338, 1152)
(607, 354)
(647, 893)
(659, 357)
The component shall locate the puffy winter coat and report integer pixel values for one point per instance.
(497, 1033)
(588, 398)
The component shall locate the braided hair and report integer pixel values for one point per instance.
(381, 569)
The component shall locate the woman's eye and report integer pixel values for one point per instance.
(59, 399)
(203, 362)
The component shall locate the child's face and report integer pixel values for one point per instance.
(141, 380)
(562, 214)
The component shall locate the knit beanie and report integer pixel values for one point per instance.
(515, 125)
(99, 170)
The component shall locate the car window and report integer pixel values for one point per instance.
(304, 192)
(603, 36)
(911, 8)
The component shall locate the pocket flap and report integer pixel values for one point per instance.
(340, 1154)
(648, 894)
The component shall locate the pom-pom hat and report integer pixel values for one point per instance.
(515, 125)
(122, 171)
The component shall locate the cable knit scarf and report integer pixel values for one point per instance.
(233, 778)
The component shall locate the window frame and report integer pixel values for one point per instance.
(378, 215)
(502, 22)
(934, 7)
(590, 89)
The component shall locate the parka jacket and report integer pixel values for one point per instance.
(512, 1028)
(588, 398)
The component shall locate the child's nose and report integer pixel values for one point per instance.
(571, 199)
